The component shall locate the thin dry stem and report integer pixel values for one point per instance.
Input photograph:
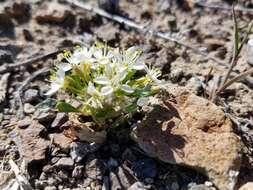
(235, 79)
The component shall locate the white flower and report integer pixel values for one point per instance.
(138, 65)
(153, 74)
(91, 90)
(102, 80)
(106, 90)
(102, 56)
(65, 66)
(57, 83)
(79, 55)
(127, 88)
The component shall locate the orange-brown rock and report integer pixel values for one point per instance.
(182, 128)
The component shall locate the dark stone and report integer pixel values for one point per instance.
(20, 11)
(27, 34)
(65, 163)
(22, 124)
(94, 168)
(59, 120)
(6, 26)
(121, 179)
(5, 56)
(111, 6)
(144, 168)
(31, 95)
(78, 172)
(44, 115)
(80, 150)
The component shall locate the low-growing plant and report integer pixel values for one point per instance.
(108, 82)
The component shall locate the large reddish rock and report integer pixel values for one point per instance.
(31, 144)
(182, 128)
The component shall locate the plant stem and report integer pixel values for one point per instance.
(236, 78)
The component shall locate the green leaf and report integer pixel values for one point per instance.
(236, 34)
(130, 108)
(66, 107)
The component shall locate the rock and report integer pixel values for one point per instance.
(32, 147)
(83, 131)
(144, 168)
(194, 84)
(44, 115)
(20, 11)
(182, 128)
(112, 163)
(106, 183)
(5, 56)
(6, 25)
(50, 188)
(163, 60)
(28, 108)
(174, 186)
(115, 150)
(139, 186)
(201, 187)
(59, 16)
(8, 52)
(247, 186)
(128, 155)
(31, 95)
(65, 163)
(40, 184)
(111, 34)
(214, 44)
(24, 123)
(28, 35)
(80, 150)
(62, 141)
(94, 168)
(59, 120)
(121, 179)
(176, 75)
(111, 6)
(78, 172)
(3, 87)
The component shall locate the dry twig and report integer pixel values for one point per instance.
(10, 67)
(19, 92)
(226, 8)
(141, 28)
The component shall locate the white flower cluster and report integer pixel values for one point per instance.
(104, 77)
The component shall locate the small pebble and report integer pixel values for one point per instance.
(28, 108)
(22, 124)
(174, 186)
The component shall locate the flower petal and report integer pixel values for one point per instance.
(139, 66)
(127, 88)
(131, 50)
(101, 80)
(91, 89)
(54, 88)
(106, 90)
(65, 66)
